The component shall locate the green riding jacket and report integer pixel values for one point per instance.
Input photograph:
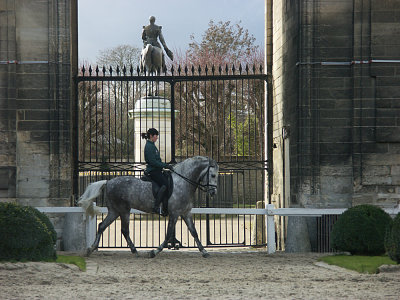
(152, 157)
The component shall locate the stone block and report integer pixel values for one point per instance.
(298, 239)
(373, 180)
(372, 171)
(74, 233)
(4, 180)
(33, 80)
(34, 104)
(388, 134)
(33, 93)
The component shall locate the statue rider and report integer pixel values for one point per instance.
(150, 35)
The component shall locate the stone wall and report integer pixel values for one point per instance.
(35, 105)
(336, 83)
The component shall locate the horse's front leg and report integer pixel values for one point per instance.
(170, 232)
(189, 223)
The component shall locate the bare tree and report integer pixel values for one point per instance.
(221, 118)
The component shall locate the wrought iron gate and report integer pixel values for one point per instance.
(216, 112)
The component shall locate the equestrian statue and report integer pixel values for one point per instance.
(152, 57)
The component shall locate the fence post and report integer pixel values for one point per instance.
(90, 229)
(270, 229)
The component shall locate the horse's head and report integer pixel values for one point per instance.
(209, 177)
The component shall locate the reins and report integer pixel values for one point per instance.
(202, 187)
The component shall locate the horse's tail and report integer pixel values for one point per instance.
(92, 191)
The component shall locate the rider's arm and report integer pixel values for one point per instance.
(160, 35)
(144, 37)
(151, 158)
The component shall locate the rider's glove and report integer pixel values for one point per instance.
(169, 167)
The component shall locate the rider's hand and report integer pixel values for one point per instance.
(169, 167)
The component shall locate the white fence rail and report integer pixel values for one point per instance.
(270, 211)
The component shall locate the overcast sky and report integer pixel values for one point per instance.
(108, 23)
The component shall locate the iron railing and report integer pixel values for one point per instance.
(216, 112)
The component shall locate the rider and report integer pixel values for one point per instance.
(150, 35)
(154, 168)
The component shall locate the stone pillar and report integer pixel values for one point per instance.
(35, 159)
(152, 112)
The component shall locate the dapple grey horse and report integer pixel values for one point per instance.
(126, 192)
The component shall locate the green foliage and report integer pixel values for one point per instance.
(44, 219)
(25, 234)
(244, 135)
(362, 264)
(392, 239)
(361, 230)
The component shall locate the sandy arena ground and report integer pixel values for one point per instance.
(185, 274)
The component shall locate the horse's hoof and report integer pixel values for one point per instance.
(205, 254)
(152, 254)
(134, 252)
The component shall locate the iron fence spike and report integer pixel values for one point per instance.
(90, 70)
(240, 69)
(97, 70)
(179, 70)
(111, 70)
(254, 69)
(206, 69)
(226, 69)
(104, 70)
(138, 70)
(83, 70)
(172, 70)
(192, 70)
(220, 69)
(186, 70)
(124, 70)
(199, 70)
(261, 69)
(233, 68)
(131, 70)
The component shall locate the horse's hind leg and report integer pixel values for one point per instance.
(170, 232)
(111, 216)
(189, 223)
(125, 232)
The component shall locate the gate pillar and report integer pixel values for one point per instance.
(152, 112)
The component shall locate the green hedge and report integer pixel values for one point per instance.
(392, 240)
(361, 230)
(26, 234)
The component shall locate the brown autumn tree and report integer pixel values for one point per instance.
(220, 118)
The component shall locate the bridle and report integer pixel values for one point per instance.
(203, 187)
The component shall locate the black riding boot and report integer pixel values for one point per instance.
(159, 198)
(164, 212)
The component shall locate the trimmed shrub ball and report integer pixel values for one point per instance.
(25, 234)
(361, 230)
(392, 240)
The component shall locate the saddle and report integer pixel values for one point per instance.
(155, 187)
